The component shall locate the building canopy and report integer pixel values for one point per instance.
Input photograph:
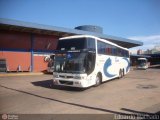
(8, 24)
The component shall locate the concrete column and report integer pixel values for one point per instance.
(32, 52)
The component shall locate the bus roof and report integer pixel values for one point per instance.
(90, 36)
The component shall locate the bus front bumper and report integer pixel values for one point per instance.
(71, 83)
(73, 80)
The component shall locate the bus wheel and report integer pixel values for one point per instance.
(98, 80)
(120, 74)
(123, 73)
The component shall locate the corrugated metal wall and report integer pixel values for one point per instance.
(39, 63)
(16, 47)
(10, 40)
(14, 59)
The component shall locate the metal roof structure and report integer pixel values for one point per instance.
(8, 24)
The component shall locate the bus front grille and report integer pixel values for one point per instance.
(63, 76)
(66, 82)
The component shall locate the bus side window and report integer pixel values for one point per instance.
(100, 47)
(91, 43)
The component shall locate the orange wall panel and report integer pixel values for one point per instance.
(17, 58)
(39, 64)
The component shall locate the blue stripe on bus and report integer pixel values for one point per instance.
(128, 64)
(105, 68)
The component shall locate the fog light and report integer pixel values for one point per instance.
(55, 82)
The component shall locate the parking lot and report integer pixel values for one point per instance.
(137, 92)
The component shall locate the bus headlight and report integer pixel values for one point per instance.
(77, 77)
(55, 76)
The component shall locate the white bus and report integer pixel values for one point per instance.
(84, 60)
(142, 63)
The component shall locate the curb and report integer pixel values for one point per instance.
(20, 74)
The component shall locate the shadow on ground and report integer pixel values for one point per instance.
(49, 84)
(132, 112)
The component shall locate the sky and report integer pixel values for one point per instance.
(133, 19)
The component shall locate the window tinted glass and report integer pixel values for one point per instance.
(101, 47)
(77, 44)
(107, 49)
(91, 43)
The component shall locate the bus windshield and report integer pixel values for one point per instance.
(75, 62)
(70, 62)
(76, 44)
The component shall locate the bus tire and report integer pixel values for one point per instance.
(123, 72)
(120, 74)
(98, 80)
